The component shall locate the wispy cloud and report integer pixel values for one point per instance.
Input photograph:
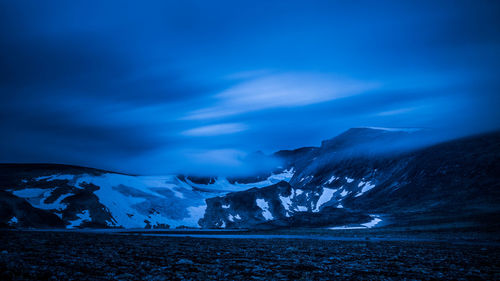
(283, 90)
(396, 111)
(215, 130)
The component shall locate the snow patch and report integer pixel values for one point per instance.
(37, 197)
(286, 175)
(307, 179)
(286, 202)
(372, 223)
(375, 220)
(265, 209)
(222, 185)
(30, 192)
(56, 177)
(221, 224)
(333, 178)
(346, 227)
(325, 197)
(344, 193)
(366, 186)
(195, 214)
(302, 208)
(82, 217)
(349, 180)
(13, 221)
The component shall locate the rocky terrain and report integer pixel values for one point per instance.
(90, 256)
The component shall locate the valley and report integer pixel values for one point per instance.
(70, 255)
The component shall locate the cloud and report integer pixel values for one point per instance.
(278, 91)
(215, 130)
(218, 157)
(148, 88)
(225, 162)
(188, 160)
(397, 111)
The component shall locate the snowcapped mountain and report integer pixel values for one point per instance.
(83, 197)
(374, 176)
(364, 177)
(278, 205)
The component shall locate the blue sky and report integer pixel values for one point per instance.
(194, 86)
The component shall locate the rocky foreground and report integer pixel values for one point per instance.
(92, 256)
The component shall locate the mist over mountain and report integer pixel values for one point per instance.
(360, 178)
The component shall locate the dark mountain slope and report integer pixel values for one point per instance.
(17, 212)
(389, 174)
(457, 178)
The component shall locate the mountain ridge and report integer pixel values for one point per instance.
(339, 183)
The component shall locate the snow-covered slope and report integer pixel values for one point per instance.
(105, 199)
(222, 184)
(118, 200)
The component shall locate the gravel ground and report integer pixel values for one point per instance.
(26, 255)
